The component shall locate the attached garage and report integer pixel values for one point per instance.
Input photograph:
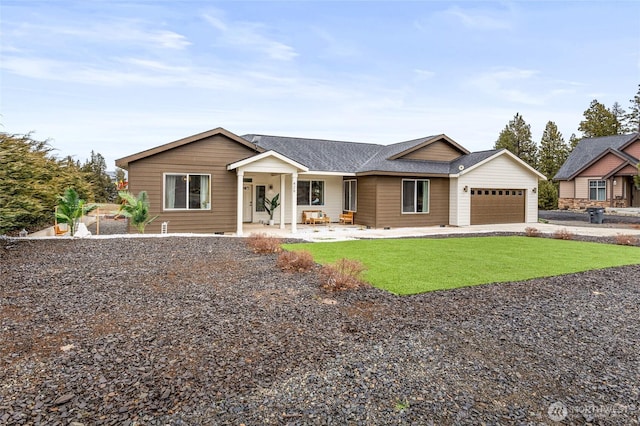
(490, 205)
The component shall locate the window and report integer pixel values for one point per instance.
(310, 192)
(597, 190)
(350, 195)
(187, 191)
(260, 195)
(415, 196)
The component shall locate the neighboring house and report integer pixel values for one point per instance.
(599, 173)
(215, 181)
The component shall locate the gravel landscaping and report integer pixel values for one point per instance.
(200, 330)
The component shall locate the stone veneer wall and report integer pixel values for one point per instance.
(583, 203)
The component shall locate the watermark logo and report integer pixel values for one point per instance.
(557, 411)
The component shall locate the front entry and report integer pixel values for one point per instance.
(247, 203)
(635, 195)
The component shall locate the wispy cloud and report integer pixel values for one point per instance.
(249, 35)
(508, 84)
(423, 74)
(481, 19)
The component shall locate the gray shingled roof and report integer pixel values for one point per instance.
(589, 149)
(471, 159)
(356, 157)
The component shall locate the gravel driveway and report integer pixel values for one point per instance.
(176, 330)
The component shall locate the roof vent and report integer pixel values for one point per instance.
(461, 167)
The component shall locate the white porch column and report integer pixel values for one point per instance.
(282, 201)
(239, 202)
(294, 202)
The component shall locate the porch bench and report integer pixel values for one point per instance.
(314, 216)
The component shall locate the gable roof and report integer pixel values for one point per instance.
(341, 157)
(323, 155)
(124, 161)
(590, 150)
(471, 161)
(318, 154)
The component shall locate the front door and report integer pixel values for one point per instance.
(247, 203)
(635, 195)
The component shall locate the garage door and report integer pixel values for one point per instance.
(490, 205)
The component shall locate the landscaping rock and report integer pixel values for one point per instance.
(175, 330)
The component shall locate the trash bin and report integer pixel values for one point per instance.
(596, 214)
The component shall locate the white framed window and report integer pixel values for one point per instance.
(350, 201)
(597, 190)
(415, 195)
(310, 193)
(187, 191)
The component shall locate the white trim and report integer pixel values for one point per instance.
(184, 209)
(496, 155)
(415, 195)
(351, 195)
(253, 159)
(314, 172)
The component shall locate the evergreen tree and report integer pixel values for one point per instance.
(96, 171)
(620, 115)
(553, 151)
(30, 180)
(547, 195)
(516, 137)
(599, 121)
(632, 118)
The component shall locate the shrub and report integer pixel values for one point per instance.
(563, 234)
(295, 261)
(262, 243)
(71, 208)
(626, 240)
(548, 195)
(344, 274)
(530, 231)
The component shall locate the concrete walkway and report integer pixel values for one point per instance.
(335, 232)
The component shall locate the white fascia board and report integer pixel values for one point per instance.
(313, 172)
(253, 159)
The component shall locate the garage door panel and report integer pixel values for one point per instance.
(491, 205)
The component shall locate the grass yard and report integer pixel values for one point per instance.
(410, 266)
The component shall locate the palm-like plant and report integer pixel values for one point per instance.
(71, 208)
(136, 209)
(271, 205)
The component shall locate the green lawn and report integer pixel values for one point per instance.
(409, 266)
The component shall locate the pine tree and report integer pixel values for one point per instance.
(96, 171)
(620, 114)
(599, 121)
(516, 137)
(632, 118)
(553, 150)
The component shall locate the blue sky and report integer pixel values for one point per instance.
(119, 77)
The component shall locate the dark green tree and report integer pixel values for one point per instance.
(599, 121)
(547, 195)
(30, 180)
(553, 151)
(632, 118)
(96, 171)
(516, 137)
(621, 116)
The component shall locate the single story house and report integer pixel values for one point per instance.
(216, 181)
(599, 173)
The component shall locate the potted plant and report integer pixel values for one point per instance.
(270, 205)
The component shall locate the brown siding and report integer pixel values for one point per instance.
(389, 205)
(603, 166)
(366, 214)
(437, 151)
(207, 156)
(633, 149)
